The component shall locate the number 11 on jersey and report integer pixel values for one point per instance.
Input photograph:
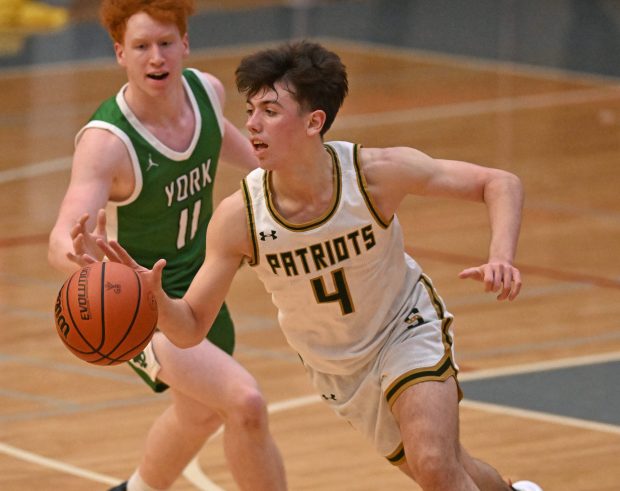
(184, 219)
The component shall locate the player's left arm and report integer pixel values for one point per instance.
(394, 173)
(236, 148)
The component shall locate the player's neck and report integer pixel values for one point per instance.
(304, 191)
(170, 119)
(158, 109)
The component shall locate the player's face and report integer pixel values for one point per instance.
(277, 125)
(152, 53)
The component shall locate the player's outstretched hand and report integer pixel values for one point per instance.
(117, 253)
(85, 241)
(497, 276)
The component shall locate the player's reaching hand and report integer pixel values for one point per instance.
(151, 278)
(497, 276)
(85, 241)
(175, 317)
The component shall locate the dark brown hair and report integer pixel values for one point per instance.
(315, 76)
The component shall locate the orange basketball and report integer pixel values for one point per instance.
(104, 315)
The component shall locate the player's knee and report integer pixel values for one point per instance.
(249, 410)
(433, 469)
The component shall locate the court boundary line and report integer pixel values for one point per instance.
(473, 62)
(582, 424)
(477, 108)
(413, 115)
(56, 464)
(478, 62)
(541, 366)
(194, 473)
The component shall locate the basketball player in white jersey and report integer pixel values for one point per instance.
(317, 223)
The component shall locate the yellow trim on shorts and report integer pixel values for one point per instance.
(397, 457)
(440, 308)
(441, 372)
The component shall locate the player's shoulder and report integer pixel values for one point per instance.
(390, 165)
(98, 148)
(390, 155)
(209, 80)
(228, 226)
(101, 137)
(231, 207)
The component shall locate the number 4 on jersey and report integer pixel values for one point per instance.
(340, 295)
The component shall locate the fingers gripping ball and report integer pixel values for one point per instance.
(104, 315)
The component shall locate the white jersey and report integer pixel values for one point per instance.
(337, 281)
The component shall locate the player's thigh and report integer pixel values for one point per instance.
(203, 372)
(193, 412)
(427, 414)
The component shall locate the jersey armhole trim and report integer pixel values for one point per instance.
(133, 156)
(255, 259)
(363, 186)
(213, 98)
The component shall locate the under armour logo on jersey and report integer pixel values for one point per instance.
(151, 164)
(263, 235)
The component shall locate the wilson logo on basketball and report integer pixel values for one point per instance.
(61, 322)
(115, 287)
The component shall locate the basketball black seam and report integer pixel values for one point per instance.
(108, 355)
(102, 303)
(76, 326)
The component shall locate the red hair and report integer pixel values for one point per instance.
(115, 13)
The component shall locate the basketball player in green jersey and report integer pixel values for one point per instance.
(317, 223)
(149, 156)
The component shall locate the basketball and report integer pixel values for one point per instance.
(104, 315)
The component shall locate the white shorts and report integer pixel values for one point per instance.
(147, 366)
(419, 349)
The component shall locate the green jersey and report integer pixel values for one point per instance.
(172, 203)
(169, 210)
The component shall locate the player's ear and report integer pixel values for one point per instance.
(316, 120)
(185, 41)
(120, 54)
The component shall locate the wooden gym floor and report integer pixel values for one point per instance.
(540, 374)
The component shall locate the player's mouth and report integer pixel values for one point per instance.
(259, 145)
(158, 76)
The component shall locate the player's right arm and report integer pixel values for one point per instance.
(101, 170)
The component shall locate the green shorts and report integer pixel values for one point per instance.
(222, 334)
